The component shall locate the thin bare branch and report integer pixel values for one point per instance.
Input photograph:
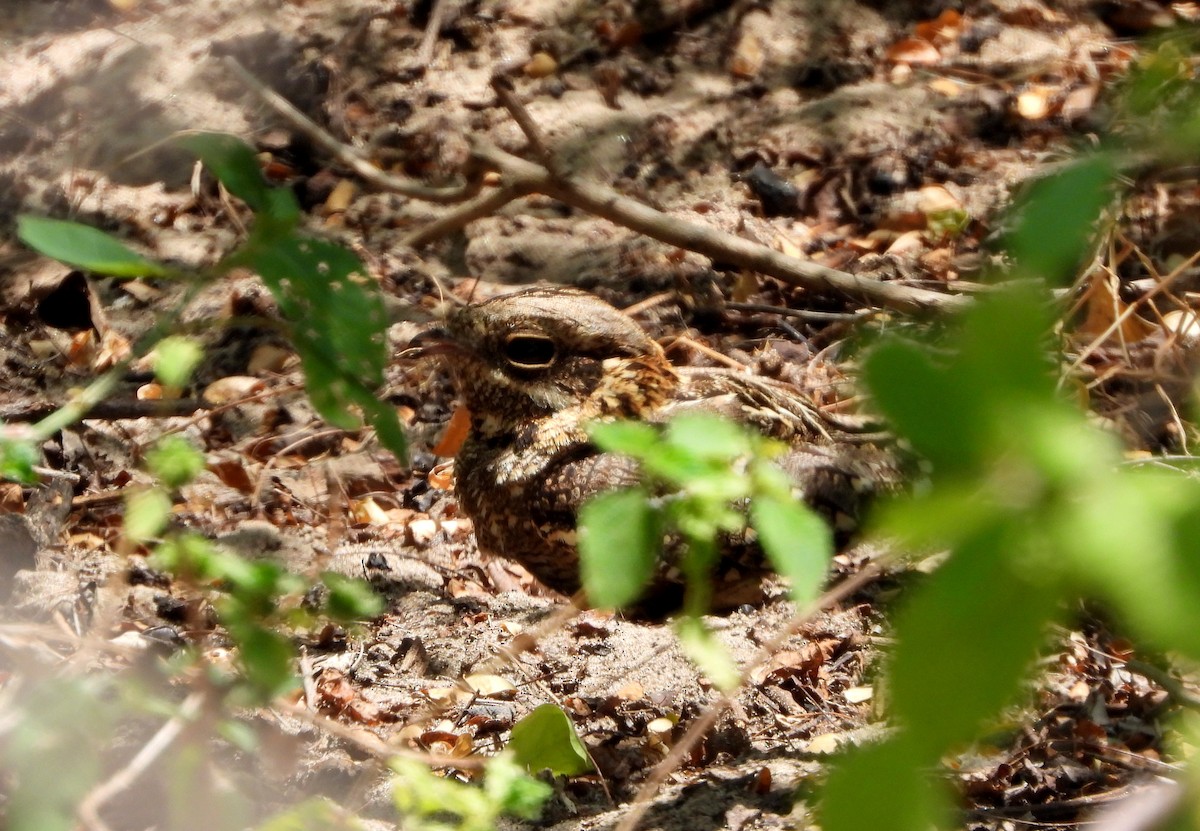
(520, 177)
(433, 28)
(508, 99)
(486, 204)
(347, 155)
(89, 808)
(699, 728)
(711, 242)
(107, 410)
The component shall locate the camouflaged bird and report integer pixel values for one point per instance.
(535, 367)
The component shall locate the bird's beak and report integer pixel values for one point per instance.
(430, 343)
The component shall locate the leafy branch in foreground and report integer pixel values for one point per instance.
(1034, 506)
(336, 316)
(700, 474)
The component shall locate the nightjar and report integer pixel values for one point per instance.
(533, 368)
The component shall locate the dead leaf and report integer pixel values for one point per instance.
(946, 86)
(825, 743)
(907, 243)
(491, 686)
(11, 498)
(140, 290)
(748, 58)
(114, 348)
(1184, 324)
(1079, 102)
(83, 348)
(448, 695)
(368, 512)
(914, 52)
(268, 358)
(633, 691)
(232, 473)
(933, 199)
(1104, 307)
(341, 196)
(455, 433)
(230, 389)
(1033, 104)
(945, 27)
(442, 476)
(540, 65)
(336, 696)
(857, 695)
(745, 287)
(421, 531)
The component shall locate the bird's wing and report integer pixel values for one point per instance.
(773, 408)
(573, 480)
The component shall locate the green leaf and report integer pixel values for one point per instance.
(84, 247)
(385, 422)
(546, 740)
(620, 535)
(146, 514)
(188, 555)
(904, 380)
(175, 358)
(883, 786)
(513, 791)
(707, 653)
(236, 165)
(317, 813)
(631, 438)
(798, 543)
(266, 657)
(350, 599)
(339, 327)
(55, 725)
(1132, 538)
(705, 436)
(174, 461)
(1057, 216)
(17, 458)
(966, 637)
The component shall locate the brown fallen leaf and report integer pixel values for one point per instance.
(231, 388)
(1105, 307)
(915, 52)
(455, 433)
(540, 65)
(747, 58)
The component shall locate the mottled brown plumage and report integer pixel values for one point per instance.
(534, 367)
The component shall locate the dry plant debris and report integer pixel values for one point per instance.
(754, 179)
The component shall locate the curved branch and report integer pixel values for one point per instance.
(347, 155)
(712, 242)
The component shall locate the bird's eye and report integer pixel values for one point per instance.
(529, 351)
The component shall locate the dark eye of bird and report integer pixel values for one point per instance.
(526, 351)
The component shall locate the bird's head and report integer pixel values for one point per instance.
(543, 351)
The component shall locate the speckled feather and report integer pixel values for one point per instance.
(527, 466)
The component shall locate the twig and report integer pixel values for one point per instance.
(371, 744)
(107, 409)
(713, 243)
(802, 314)
(483, 205)
(508, 99)
(708, 352)
(519, 176)
(699, 728)
(433, 28)
(89, 807)
(1173, 686)
(347, 155)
